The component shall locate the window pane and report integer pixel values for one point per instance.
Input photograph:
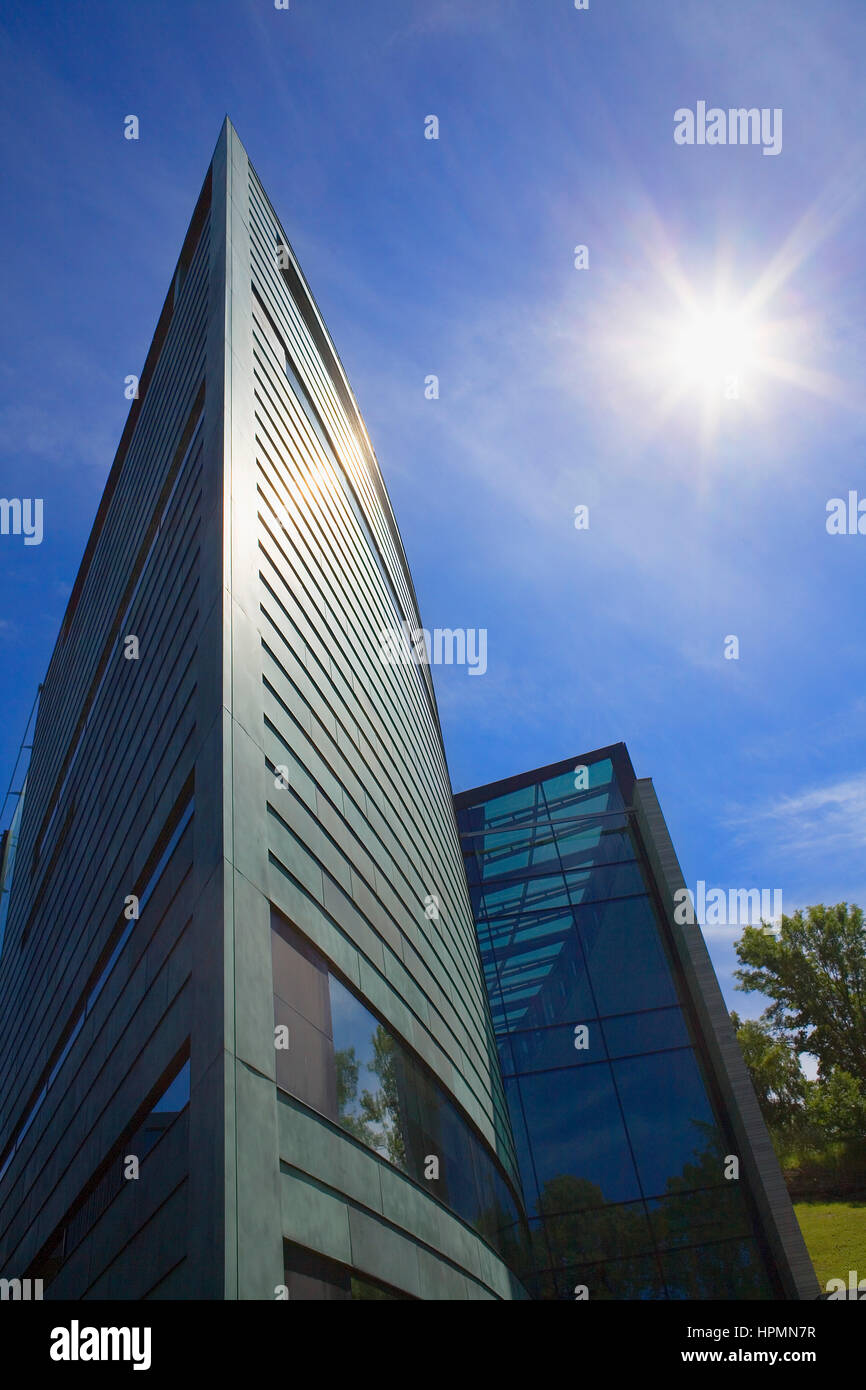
(557, 1047)
(176, 1096)
(613, 933)
(519, 804)
(307, 1068)
(733, 1269)
(604, 881)
(364, 1289)
(542, 975)
(309, 1276)
(300, 976)
(618, 1279)
(670, 1122)
(601, 1233)
(521, 1142)
(534, 891)
(647, 1032)
(369, 1076)
(605, 842)
(693, 1218)
(578, 1140)
(563, 796)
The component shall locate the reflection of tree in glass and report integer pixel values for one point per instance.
(707, 1213)
(374, 1118)
(700, 1230)
(708, 1166)
(583, 1229)
(502, 1222)
(699, 1207)
(348, 1068)
(381, 1107)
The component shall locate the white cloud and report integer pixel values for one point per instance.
(821, 821)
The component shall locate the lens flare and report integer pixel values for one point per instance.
(708, 347)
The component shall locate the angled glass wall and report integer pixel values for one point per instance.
(621, 1144)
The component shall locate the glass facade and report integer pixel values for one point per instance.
(339, 1058)
(620, 1142)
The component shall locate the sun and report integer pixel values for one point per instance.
(700, 359)
(711, 349)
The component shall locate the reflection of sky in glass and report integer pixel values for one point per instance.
(6, 884)
(353, 1025)
(538, 858)
(177, 1095)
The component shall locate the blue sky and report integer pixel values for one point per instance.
(455, 257)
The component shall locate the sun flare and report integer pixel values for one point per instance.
(711, 347)
(707, 360)
(723, 347)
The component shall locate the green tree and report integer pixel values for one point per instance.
(774, 1067)
(836, 1106)
(814, 972)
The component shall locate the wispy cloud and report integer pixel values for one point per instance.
(821, 821)
(453, 17)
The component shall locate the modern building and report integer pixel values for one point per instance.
(647, 1169)
(245, 1046)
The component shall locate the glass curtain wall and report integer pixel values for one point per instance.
(621, 1151)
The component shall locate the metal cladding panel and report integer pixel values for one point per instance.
(356, 839)
(362, 732)
(90, 1030)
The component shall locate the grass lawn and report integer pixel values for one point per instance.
(835, 1236)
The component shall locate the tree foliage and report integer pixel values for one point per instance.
(814, 973)
(836, 1107)
(774, 1067)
